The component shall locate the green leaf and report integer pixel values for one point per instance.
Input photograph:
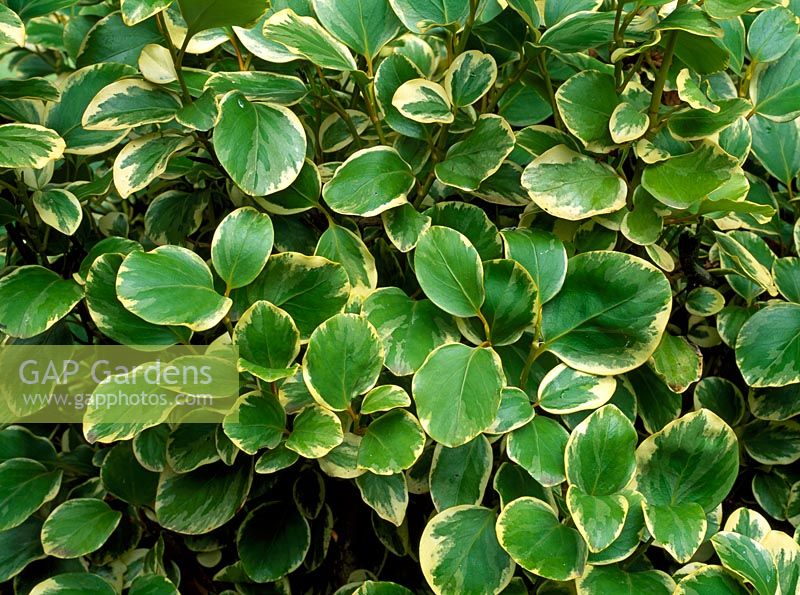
(111, 317)
(404, 225)
(768, 345)
(704, 301)
(266, 337)
(73, 583)
(630, 536)
(276, 460)
(610, 314)
(682, 181)
(459, 553)
(315, 432)
(259, 86)
(723, 398)
(59, 209)
(381, 588)
(512, 482)
(365, 27)
(25, 485)
(480, 154)
(514, 412)
(274, 136)
(775, 88)
(470, 77)
(125, 478)
(302, 195)
(571, 186)
(136, 11)
(79, 88)
(12, 30)
(32, 88)
(611, 579)
(272, 541)
(747, 522)
(772, 443)
(78, 527)
(421, 15)
(310, 289)
(341, 245)
(457, 392)
(599, 454)
(529, 531)
(201, 15)
(725, 9)
(147, 282)
(748, 559)
(152, 584)
(538, 447)
(423, 101)
(689, 91)
(156, 65)
(510, 304)
(543, 256)
(564, 390)
(343, 360)
(679, 528)
(689, 445)
(111, 40)
(628, 123)
(198, 502)
(128, 103)
(528, 10)
(384, 398)
(369, 182)
(409, 329)
(771, 34)
(776, 145)
(174, 215)
(449, 271)
(28, 145)
(393, 71)
(599, 519)
(241, 246)
(191, 446)
(303, 36)
(19, 547)
(460, 475)
(256, 421)
(692, 19)
(677, 362)
(144, 159)
(387, 495)
(586, 102)
(579, 31)
(391, 444)
(695, 124)
(473, 222)
(33, 298)
(786, 272)
(710, 579)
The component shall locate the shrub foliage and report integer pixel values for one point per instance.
(515, 286)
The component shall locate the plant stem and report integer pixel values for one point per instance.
(462, 39)
(436, 155)
(177, 56)
(661, 77)
(336, 105)
(550, 92)
(537, 349)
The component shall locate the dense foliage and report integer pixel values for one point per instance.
(515, 286)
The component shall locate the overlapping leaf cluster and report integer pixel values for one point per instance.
(515, 286)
